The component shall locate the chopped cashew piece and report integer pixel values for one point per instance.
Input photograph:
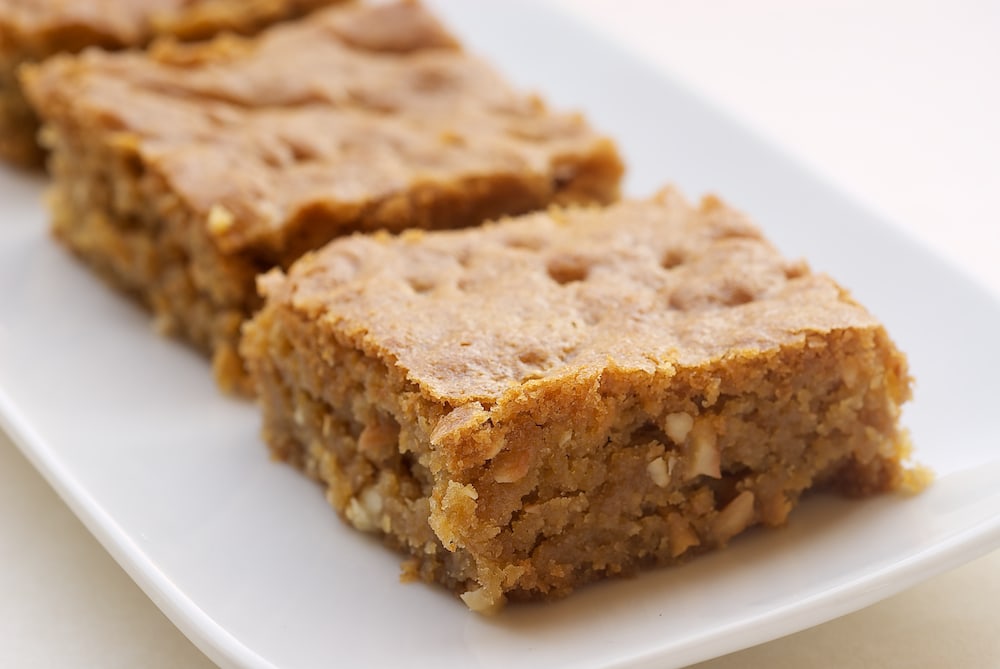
(705, 456)
(220, 219)
(479, 601)
(658, 472)
(677, 426)
(358, 516)
(735, 517)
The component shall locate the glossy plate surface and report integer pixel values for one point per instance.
(246, 557)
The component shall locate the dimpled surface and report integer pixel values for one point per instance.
(639, 285)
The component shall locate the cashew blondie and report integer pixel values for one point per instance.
(184, 171)
(32, 30)
(571, 395)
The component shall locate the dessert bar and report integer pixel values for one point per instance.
(531, 405)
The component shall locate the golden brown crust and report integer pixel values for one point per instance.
(36, 29)
(532, 405)
(32, 30)
(669, 274)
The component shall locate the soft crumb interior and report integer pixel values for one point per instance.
(18, 124)
(575, 479)
(124, 221)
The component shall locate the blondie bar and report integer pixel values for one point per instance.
(32, 30)
(565, 396)
(184, 171)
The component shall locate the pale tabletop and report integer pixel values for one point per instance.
(895, 102)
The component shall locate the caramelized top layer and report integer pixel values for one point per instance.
(321, 119)
(643, 285)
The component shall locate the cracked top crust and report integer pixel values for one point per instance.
(646, 285)
(320, 118)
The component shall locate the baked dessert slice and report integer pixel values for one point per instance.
(183, 172)
(32, 30)
(571, 395)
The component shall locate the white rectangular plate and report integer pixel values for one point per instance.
(246, 557)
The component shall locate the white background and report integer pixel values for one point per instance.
(898, 103)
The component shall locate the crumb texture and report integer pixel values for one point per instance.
(572, 395)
